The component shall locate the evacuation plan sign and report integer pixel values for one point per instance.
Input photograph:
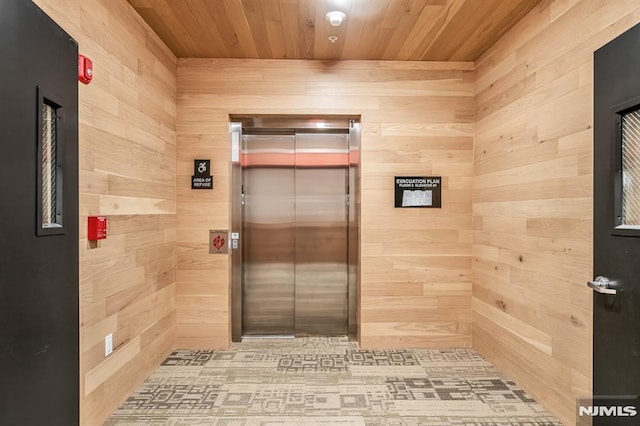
(418, 191)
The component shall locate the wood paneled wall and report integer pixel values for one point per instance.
(127, 172)
(417, 119)
(527, 231)
(532, 197)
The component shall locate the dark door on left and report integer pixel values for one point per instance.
(38, 219)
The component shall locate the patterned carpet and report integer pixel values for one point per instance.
(327, 381)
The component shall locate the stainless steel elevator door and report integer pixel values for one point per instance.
(268, 235)
(322, 171)
(295, 229)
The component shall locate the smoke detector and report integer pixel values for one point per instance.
(335, 18)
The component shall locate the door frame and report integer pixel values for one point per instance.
(347, 122)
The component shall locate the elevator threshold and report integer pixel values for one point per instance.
(268, 336)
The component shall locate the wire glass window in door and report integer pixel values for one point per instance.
(50, 173)
(631, 168)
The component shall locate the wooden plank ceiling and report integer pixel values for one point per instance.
(414, 30)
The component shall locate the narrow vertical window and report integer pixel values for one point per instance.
(630, 169)
(50, 166)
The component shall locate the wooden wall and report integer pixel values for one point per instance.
(417, 119)
(532, 197)
(127, 172)
(525, 236)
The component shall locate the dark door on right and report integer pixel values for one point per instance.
(616, 317)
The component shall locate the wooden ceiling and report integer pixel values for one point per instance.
(413, 30)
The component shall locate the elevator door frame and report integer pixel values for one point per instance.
(320, 124)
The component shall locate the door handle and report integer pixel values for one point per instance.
(601, 285)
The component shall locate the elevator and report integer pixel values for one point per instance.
(294, 211)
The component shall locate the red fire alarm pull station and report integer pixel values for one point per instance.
(85, 69)
(97, 228)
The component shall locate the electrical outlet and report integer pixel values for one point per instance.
(108, 345)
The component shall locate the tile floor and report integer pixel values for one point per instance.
(327, 381)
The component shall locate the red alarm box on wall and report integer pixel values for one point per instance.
(97, 228)
(85, 69)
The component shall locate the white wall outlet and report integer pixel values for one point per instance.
(108, 345)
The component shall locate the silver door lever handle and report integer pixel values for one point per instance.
(601, 285)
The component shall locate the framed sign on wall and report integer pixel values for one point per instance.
(201, 178)
(418, 191)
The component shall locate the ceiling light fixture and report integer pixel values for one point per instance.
(335, 17)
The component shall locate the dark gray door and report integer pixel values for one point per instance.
(38, 219)
(616, 317)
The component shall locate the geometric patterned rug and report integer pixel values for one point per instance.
(327, 381)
